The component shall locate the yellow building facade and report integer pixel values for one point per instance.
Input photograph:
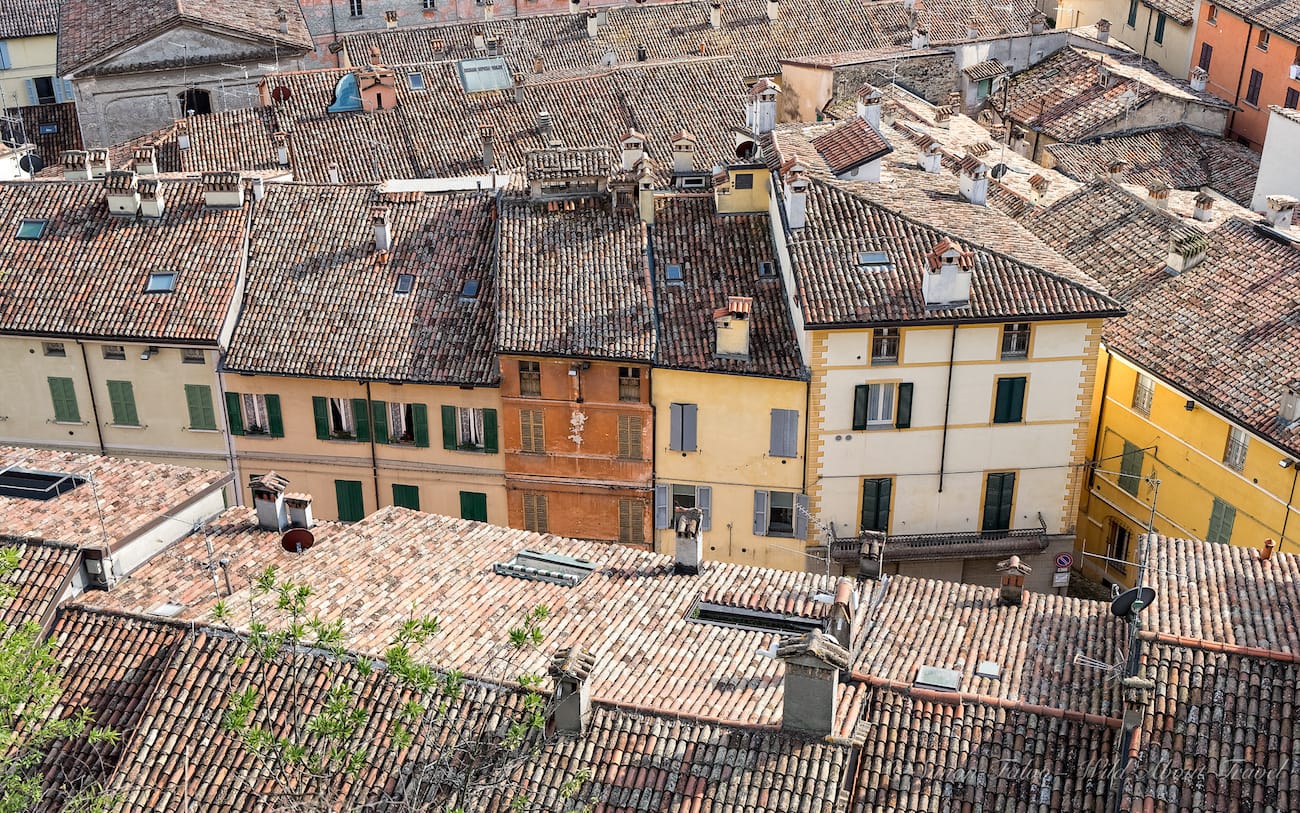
(1159, 449)
(28, 74)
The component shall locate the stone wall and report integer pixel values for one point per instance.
(930, 75)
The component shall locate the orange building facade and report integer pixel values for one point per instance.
(578, 443)
(1250, 63)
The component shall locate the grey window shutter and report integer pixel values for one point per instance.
(675, 427)
(5, 64)
(801, 516)
(774, 447)
(760, 513)
(704, 502)
(32, 97)
(792, 433)
(662, 513)
(688, 427)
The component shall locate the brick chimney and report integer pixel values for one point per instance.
(74, 165)
(715, 14)
(760, 109)
(1186, 250)
(688, 550)
(1199, 78)
(1013, 573)
(812, 671)
(381, 222)
(298, 507)
(839, 624)
(151, 197)
(1280, 210)
(796, 194)
(1103, 30)
(1203, 207)
(122, 193)
(486, 135)
(1158, 194)
(98, 163)
(685, 145)
(973, 179)
(222, 190)
(869, 99)
(773, 10)
(376, 85)
(633, 144)
(268, 500)
(947, 277)
(145, 160)
(570, 668)
(732, 327)
(920, 38)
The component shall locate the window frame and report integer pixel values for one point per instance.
(160, 282)
(1117, 552)
(744, 180)
(1132, 461)
(629, 384)
(405, 494)
(884, 339)
(1206, 56)
(532, 431)
(683, 427)
(237, 408)
(763, 514)
(342, 418)
(194, 394)
(54, 349)
(254, 404)
(1008, 507)
(530, 379)
(26, 227)
(1292, 101)
(1144, 393)
(121, 399)
(884, 498)
(1262, 41)
(65, 392)
(539, 509)
(1253, 87)
(1014, 333)
(1159, 35)
(630, 431)
(691, 496)
(789, 435)
(188, 357)
(1223, 516)
(1236, 448)
(1132, 14)
(354, 490)
(461, 423)
(1212, 14)
(356, 9)
(467, 501)
(1010, 389)
(631, 521)
(113, 352)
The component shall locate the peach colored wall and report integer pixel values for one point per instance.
(1232, 38)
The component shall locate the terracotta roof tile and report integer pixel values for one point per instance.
(29, 18)
(1279, 16)
(43, 571)
(849, 145)
(987, 69)
(62, 118)
(719, 257)
(86, 274)
(314, 258)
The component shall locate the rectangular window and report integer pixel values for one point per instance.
(190, 355)
(198, 398)
(1132, 13)
(670, 499)
(114, 352)
(873, 406)
(160, 282)
(399, 424)
(406, 496)
(1207, 51)
(121, 398)
(1015, 340)
(1262, 42)
(532, 435)
(1130, 468)
(352, 506)
(530, 379)
(30, 229)
(473, 505)
(744, 180)
(1222, 516)
(631, 522)
(430, 4)
(248, 414)
(884, 345)
(354, 7)
(1143, 392)
(875, 504)
(535, 518)
(629, 384)
(1159, 36)
(1252, 90)
(43, 90)
(629, 437)
(64, 396)
(55, 349)
(785, 433)
(1234, 453)
(1212, 16)
(5, 62)
(780, 513)
(1292, 99)
(681, 432)
(983, 89)
(1117, 542)
(1010, 405)
(999, 489)
(469, 429)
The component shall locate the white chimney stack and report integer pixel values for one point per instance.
(796, 196)
(268, 501)
(182, 135)
(1290, 407)
(684, 146)
(122, 193)
(259, 188)
(282, 17)
(487, 136)
(298, 507)
(1281, 209)
(773, 10)
(715, 15)
(920, 38)
(947, 279)
(1185, 252)
(813, 663)
(633, 144)
(1199, 78)
(760, 110)
(972, 29)
(973, 180)
(592, 23)
(334, 174)
(732, 326)
(1158, 195)
(98, 162)
(1012, 587)
(930, 154)
(379, 219)
(1203, 207)
(281, 148)
(869, 99)
(74, 165)
(145, 160)
(222, 190)
(570, 668)
(1103, 30)
(151, 197)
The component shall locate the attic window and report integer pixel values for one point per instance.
(545, 567)
(160, 282)
(766, 269)
(706, 612)
(469, 290)
(873, 260)
(415, 80)
(484, 74)
(36, 485)
(673, 273)
(694, 183)
(405, 283)
(30, 229)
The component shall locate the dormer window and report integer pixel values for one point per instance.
(161, 282)
(469, 290)
(415, 81)
(673, 273)
(31, 229)
(405, 284)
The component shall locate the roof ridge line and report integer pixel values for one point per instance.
(908, 689)
(1207, 645)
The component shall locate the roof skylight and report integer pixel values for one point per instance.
(161, 282)
(31, 229)
(545, 567)
(415, 80)
(484, 74)
(405, 284)
(36, 485)
(673, 273)
(874, 260)
(709, 613)
(469, 290)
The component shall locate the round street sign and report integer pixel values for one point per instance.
(1064, 560)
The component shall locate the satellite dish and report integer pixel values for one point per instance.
(31, 163)
(999, 171)
(746, 149)
(609, 59)
(281, 94)
(1132, 601)
(297, 540)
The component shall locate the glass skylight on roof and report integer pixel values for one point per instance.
(545, 567)
(673, 273)
(415, 80)
(36, 485)
(405, 283)
(766, 269)
(709, 613)
(31, 229)
(469, 290)
(160, 282)
(484, 73)
(874, 260)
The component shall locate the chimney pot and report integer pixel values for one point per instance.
(840, 621)
(1037, 22)
(1186, 250)
(1199, 78)
(1116, 170)
(1266, 552)
(570, 668)
(98, 162)
(1013, 573)
(732, 327)
(813, 663)
(298, 507)
(182, 134)
(268, 501)
(121, 192)
(543, 122)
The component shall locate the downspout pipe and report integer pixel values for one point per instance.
(947, 406)
(94, 407)
(374, 457)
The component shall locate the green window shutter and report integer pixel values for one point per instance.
(274, 418)
(379, 421)
(321, 409)
(999, 489)
(903, 420)
(1130, 468)
(1017, 400)
(490, 444)
(351, 505)
(406, 496)
(875, 504)
(64, 395)
(473, 505)
(361, 419)
(420, 417)
(121, 398)
(1222, 517)
(234, 414)
(198, 397)
(448, 427)
(1010, 406)
(860, 395)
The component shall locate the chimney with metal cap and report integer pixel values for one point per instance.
(121, 192)
(571, 668)
(379, 219)
(98, 162)
(268, 501)
(74, 165)
(688, 549)
(1012, 588)
(813, 663)
(151, 197)
(222, 190)
(731, 325)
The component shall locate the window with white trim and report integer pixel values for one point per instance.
(1234, 452)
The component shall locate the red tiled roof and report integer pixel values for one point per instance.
(321, 301)
(849, 145)
(43, 571)
(62, 117)
(719, 256)
(1282, 17)
(86, 274)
